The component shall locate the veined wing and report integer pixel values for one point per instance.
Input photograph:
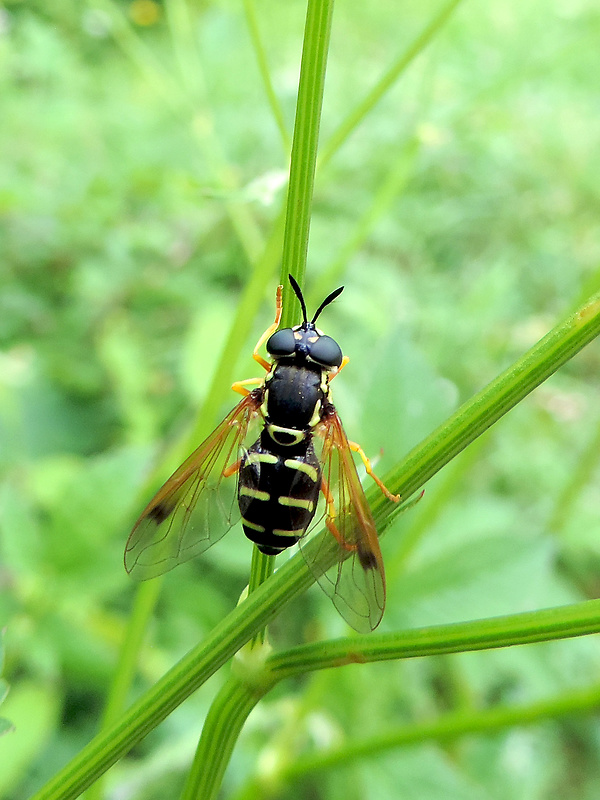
(357, 585)
(197, 505)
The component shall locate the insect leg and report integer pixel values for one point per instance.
(232, 468)
(271, 329)
(330, 518)
(358, 449)
(345, 360)
(240, 386)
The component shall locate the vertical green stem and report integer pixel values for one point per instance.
(262, 567)
(304, 149)
(301, 184)
(230, 709)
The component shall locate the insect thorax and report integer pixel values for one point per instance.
(294, 398)
(280, 475)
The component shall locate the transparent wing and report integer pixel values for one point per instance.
(357, 584)
(197, 505)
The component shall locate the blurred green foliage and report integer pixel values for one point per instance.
(120, 268)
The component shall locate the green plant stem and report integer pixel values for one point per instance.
(493, 402)
(145, 600)
(185, 50)
(301, 184)
(225, 719)
(231, 707)
(247, 308)
(447, 728)
(202, 125)
(134, 636)
(357, 115)
(261, 568)
(542, 625)
(294, 577)
(576, 620)
(304, 148)
(576, 483)
(179, 682)
(392, 184)
(261, 59)
(419, 525)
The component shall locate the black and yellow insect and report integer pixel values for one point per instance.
(281, 475)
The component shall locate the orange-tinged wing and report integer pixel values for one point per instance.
(198, 503)
(357, 585)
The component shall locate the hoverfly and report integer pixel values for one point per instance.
(280, 476)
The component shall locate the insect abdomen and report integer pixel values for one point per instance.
(278, 495)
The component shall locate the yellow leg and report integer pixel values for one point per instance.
(332, 528)
(358, 449)
(232, 468)
(271, 329)
(330, 518)
(328, 499)
(240, 386)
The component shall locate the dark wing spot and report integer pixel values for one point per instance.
(367, 558)
(160, 512)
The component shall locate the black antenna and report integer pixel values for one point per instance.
(298, 292)
(329, 299)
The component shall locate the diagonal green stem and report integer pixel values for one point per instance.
(261, 59)
(446, 728)
(294, 576)
(400, 64)
(490, 404)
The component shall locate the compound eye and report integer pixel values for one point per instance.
(326, 352)
(281, 343)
